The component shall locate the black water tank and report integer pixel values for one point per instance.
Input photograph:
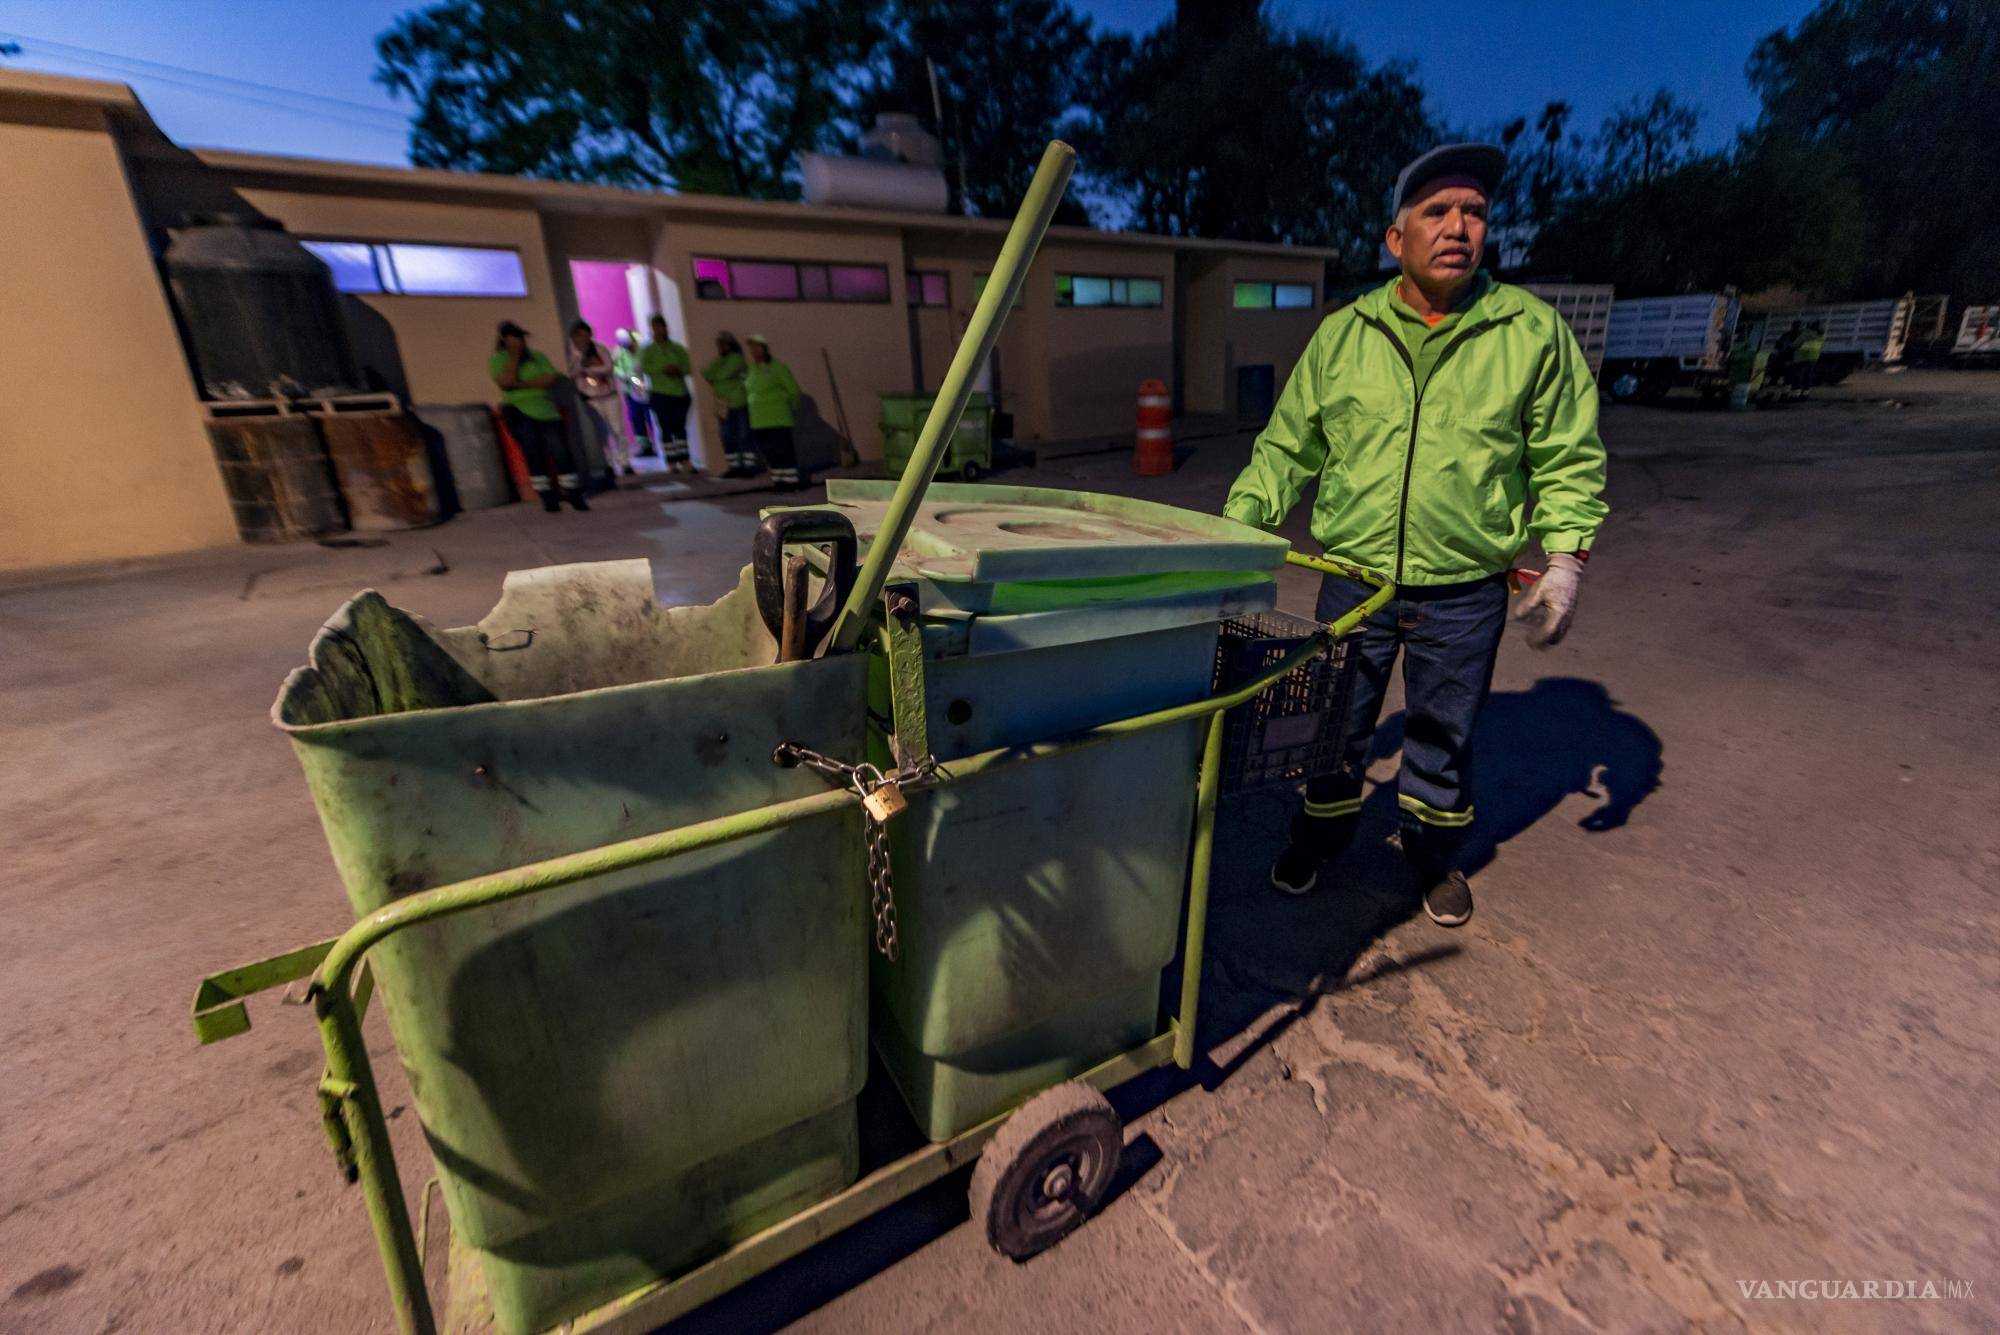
(257, 309)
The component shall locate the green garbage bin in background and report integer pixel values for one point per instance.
(624, 1076)
(1037, 905)
(968, 455)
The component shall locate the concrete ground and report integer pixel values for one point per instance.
(1727, 1013)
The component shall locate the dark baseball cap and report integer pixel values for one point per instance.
(1484, 163)
(509, 327)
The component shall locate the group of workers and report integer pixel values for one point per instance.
(1786, 368)
(627, 393)
(1796, 357)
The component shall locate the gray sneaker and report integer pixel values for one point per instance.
(1448, 900)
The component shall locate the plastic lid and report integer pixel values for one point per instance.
(997, 534)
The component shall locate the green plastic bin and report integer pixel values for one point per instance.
(1038, 905)
(970, 451)
(623, 1077)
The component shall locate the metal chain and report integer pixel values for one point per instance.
(881, 879)
(865, 779)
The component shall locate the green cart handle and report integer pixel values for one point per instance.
(1385, 589)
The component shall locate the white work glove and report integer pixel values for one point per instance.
(1549, 605)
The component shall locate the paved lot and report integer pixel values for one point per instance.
(1727, 1013)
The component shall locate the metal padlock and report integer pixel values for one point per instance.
(885, 801)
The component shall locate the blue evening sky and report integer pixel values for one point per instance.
(1480, 62)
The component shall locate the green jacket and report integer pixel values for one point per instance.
(666, 366)
(772, 394)
(1435, 490)
(532, 401)
(725, 376)
(1809, 347)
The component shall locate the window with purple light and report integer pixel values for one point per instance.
(763, 282)
(711, 279)
(859, 282)
(456, 271)
(718, 279)
(415, 269)
(352, 262)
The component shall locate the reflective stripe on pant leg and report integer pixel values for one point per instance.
(1347, 806)
(1430, 815)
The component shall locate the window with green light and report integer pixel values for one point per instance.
(1261, 296)
(1079, 289)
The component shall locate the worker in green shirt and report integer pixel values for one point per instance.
(632, 388)
(1805, 358)
(1445, 418)
(725, 377)
(772, 395)
(666, 365)
(536, 424)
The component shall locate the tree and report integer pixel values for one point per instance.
(643, 92)
(1249, 132)
(1552, 167)
(1008, 73)
(1899, 96)
(1646, 138)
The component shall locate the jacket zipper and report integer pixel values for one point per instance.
(1416, 411)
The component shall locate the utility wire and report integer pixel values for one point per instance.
(377, 127)
(179, 75)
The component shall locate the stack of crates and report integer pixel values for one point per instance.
(970, 451)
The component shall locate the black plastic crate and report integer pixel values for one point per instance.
(1294, 728)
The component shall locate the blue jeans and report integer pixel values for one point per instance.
(1448, 635)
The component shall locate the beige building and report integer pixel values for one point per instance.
(859, 302)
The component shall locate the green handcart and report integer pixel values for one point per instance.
(968, 456)
(679, 822)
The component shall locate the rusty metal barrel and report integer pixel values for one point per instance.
(275, 470)
(381, 461)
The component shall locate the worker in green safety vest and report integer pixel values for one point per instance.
(1805, 358)
(666, 365)
(725, 375)
(525, 377)
(772, 396)
(632, 387)
(1445, 418)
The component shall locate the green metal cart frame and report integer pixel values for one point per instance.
(351, 1105)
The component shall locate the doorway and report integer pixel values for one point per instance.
(614, 295)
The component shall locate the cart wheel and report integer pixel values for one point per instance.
(969, 471)
(1046, 1170)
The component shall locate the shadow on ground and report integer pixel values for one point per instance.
(1271, 959)
(1561, 736)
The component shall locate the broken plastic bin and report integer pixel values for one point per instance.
(1038, 904)
(622, 1077)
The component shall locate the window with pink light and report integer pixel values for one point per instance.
(717, 279)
